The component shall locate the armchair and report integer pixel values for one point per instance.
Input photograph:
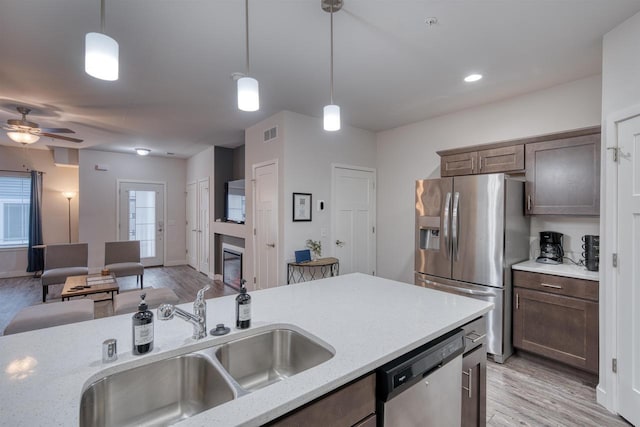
(61, 261)
(123, 259)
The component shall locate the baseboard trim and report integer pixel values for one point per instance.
(217, 277)
(175, 263)
(10, 274)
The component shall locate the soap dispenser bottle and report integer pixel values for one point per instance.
(243, 308)
(142, 328)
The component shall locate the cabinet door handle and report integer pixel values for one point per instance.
(546, 285)
(271, 245)
(517, 301)
(529, 203)
(470, 388)
(472, 165)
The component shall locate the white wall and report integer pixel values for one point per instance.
(304, 152)
(620, 98)
(98, 194)
(200, 167)
(572, 227)
(257, 151)
(309, 153)
(54, 206)
(408, 153)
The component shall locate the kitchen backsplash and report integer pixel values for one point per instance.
(572, 227)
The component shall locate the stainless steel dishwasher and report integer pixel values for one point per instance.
(422, 387)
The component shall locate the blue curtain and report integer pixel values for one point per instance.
(36, 256)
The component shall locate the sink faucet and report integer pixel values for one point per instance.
(198, 319)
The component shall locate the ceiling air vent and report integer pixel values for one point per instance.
(271, 134)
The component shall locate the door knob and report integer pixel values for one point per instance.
(339, 243)
(271, 245)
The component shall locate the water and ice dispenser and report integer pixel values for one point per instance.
(429, 232)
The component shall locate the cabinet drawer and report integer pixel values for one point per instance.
(578, 288)
(344, 407)
(475, 334)
(555, 326)
(502, 159)
(459, 164)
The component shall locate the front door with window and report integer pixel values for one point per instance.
(141, 217)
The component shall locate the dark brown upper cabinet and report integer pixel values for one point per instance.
(489, 160)
(563, 176)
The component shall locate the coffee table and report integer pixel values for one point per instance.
(89, 284)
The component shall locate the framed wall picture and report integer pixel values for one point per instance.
(301, 206)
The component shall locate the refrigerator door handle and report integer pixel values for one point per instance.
(445, 227)
(454, 225)
(457, 289)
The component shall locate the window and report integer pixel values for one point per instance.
(15, 201)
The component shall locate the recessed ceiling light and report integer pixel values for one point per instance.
(472, 78)
(142, 151)
(431, 21)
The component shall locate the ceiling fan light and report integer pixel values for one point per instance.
(331, 117)
(101, 56)
(143, 151)
(23, 137)
(248, 94)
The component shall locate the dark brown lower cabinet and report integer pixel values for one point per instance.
(474, 388)
(353, 405)
(559, 327)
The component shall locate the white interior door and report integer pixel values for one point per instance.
(203, 226)
(629, 270)
(192, 226)
(353, 236)
(266, 225)
(141, 217)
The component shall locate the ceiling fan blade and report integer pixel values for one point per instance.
(56, 130)
(64, 138)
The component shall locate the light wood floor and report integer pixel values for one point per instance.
(521, 392)
(528, 392)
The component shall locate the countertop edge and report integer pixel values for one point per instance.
(563, 270)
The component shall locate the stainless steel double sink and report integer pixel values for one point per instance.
(169, 390)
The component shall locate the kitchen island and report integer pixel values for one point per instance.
(366, 320)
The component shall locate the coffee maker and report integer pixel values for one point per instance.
(551, 251)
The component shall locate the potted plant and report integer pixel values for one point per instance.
(315, 247)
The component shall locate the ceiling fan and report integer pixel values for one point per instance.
(26, 132)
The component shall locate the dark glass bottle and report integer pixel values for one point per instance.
(243, 308)
(142, 328)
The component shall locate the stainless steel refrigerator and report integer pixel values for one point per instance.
(469, 231)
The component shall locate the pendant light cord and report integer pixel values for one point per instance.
(331, 74)
(246, 26)
(102, 16)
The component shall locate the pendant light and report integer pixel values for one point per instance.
(248, 91)
(331, 111)
(101, 53)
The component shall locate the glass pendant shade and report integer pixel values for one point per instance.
(248, 94)
(23, 137)
(101, 56)
(331, 117)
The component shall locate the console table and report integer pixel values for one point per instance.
(322, 267)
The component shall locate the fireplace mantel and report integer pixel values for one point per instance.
(231, 229)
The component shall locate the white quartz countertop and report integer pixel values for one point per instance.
(368, 321)
(566, 270)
